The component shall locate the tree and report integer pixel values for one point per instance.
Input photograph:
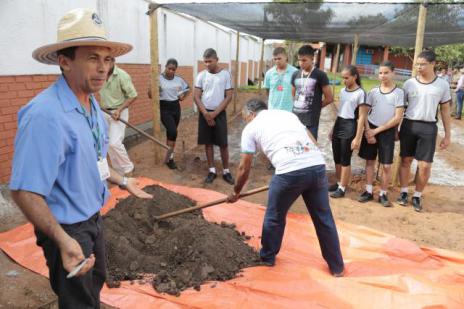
(452, 54)
(297, 19)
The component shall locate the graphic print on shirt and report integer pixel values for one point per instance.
(304, 94)
(299, 148)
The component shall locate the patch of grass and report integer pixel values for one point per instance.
(247, 88)
(368, 82)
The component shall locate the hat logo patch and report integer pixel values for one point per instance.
(96, 19)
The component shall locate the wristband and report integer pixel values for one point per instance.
(124, 182)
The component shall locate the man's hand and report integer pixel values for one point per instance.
(372, 140)
(208, 116)
(370, 133)
(233, 197)
(72, 255)
(355, 144)
(445, 142)
(116, 114)
(132, 187)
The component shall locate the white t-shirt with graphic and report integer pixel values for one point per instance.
(214, 87)
(171, 89)
(423, 99)
(283, 139)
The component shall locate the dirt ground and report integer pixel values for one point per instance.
(440, 225)
(183, 251)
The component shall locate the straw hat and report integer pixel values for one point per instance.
(79, 27)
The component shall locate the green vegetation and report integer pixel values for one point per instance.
(368, 82)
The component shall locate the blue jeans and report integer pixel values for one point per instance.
(313, 130)
(311, 183)
(459, 99)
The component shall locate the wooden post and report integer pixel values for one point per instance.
(237, 55)
(419, 35)
(417, 50)
(337, 56)
(355, 49)
(154, 75)
(261, 67)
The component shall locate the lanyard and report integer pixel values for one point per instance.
(305, 79)
(280, 77)
(94, 128)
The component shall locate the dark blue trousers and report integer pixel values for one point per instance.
(311, 183)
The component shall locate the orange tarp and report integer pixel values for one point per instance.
(382, 271)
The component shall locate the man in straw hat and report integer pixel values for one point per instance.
(59, 167)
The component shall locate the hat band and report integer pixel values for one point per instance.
(86, 38)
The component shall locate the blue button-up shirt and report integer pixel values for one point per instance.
(56, 153)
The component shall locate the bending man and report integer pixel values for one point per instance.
(300, 170)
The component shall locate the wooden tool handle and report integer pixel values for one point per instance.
(140, 131)
(216, 202)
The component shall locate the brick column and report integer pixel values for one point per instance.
(347, 55)
(386, 51)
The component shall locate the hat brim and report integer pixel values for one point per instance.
(47, 54)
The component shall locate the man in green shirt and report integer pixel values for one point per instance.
(117, 95)
(278, 82)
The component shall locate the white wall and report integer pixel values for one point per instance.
(28, 24)
(175, 34)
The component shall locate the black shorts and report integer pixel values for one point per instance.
(418, 139)
(385, 146)
(343, 134)
(216, 135)
(170, 117)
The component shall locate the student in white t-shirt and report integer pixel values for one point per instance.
(348, 129)
(418, 133)
(386, 104)
(299, 171)
(213, 92)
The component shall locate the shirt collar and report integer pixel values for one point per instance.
(287, 69)
(115, 72)
(67, 97)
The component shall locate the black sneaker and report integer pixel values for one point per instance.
(171, 164)
(417, 203)
(210, 178)
(403, 199)
(228, 178)
(338, 193)
(333, 187)
(269, 263)
(338, 274)
(383, 199)
(366, 197)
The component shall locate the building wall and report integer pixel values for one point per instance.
(401, 62)
(181, 37)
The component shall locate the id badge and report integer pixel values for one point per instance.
(300, 101)
(103, 169)
(280, 88)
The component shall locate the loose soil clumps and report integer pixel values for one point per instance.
(182, 251)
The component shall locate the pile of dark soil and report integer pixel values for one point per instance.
(181, 252)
